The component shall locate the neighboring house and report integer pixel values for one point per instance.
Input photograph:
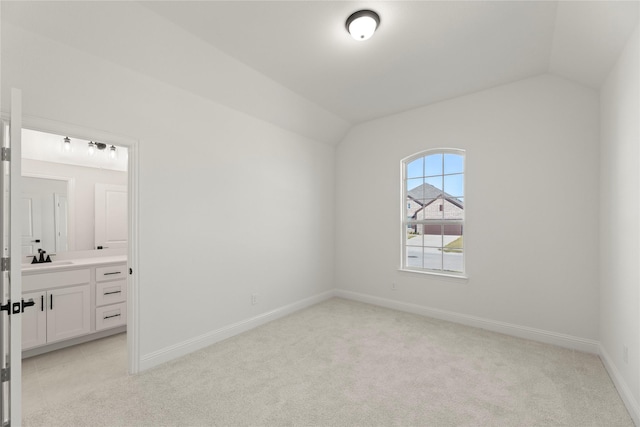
(429, 202)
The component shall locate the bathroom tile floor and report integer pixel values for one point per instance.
(60, 376)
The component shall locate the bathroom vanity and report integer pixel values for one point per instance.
(75, 301)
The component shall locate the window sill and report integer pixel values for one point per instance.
(432, 273)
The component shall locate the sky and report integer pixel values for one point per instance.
(443, 171)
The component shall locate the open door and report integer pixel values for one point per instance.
(12, 303)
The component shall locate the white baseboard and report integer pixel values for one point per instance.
(166, 354)
(562, 340)
(621, 385)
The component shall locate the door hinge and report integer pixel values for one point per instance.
(5, 264)
(6, 154)
(5, 375)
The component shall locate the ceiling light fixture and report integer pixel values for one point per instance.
(93, 146)
(362, 24)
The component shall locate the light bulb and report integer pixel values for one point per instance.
(67, 144)
(112, 152)
(362, 28)
(92, 148)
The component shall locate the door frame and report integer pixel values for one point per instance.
(133, 294)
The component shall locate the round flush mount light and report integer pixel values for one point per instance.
(362, 24)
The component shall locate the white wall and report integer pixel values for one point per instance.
(531, 206)
(84, 183)
(229, 204)
(619, 215)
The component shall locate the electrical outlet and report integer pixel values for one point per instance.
(625, 354)
(254, 299)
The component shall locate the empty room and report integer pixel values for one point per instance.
(320, 213)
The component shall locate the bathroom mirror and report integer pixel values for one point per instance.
(45, 215)
(63, 181)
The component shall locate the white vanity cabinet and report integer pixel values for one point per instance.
(60, 311)
(72, 303)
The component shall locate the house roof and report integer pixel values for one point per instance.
(427, 192)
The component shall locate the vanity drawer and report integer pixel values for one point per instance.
(35, 282)
(111, 316)
(111, 292)
(113, 272)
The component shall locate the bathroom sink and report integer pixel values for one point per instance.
(45, 264)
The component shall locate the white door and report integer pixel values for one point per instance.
(10, 277)
(111, 216)
(68, 313)
(34, 322)
(31, 215)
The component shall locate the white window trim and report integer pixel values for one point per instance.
(403, 221)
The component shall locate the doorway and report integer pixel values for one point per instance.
(67, 222)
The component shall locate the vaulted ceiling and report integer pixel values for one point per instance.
(423, 51)
(299, 53)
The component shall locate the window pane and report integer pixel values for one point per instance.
(415, 169)
(412, 185)
(413, 207)
(413, 238)
(454, 185)
(454, 208)
(433, 258)
(432, 209)
(433, 165)
(414, 256)
(453, 163)
(452, 242)
(432, 235)
(453, 261)
(419, 215)
(434, 182)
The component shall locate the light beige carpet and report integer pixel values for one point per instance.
(342, 363)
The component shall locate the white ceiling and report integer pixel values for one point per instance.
(296, 66)
(423, 51)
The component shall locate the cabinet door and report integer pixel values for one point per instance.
(69, 313)
(34, 321)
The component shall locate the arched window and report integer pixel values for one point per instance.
(433, 211)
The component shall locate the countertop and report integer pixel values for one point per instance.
(71, 264)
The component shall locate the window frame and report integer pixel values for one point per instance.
(405, 222)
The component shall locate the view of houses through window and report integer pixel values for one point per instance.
(434, 211)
